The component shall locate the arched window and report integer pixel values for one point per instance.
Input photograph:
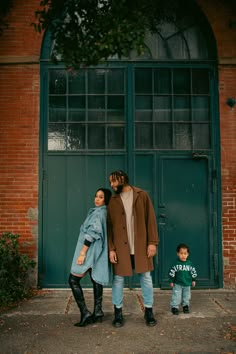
(169, 104)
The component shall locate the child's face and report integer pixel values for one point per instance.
(183, 254)
(99, 199)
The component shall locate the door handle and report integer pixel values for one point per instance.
(198, 156)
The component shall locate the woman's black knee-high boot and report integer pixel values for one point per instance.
(98, 314)
(86, 316)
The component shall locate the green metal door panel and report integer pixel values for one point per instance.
(54, 244)
(71, 182)
(144, 177)
(144, 118)
(184, 215)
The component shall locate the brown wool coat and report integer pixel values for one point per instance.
(145, 232)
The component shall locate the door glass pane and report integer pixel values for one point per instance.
(162, 115)
(57, 102)
(163, 136)
(200, 81)
(115, 81)
(162, 108)
(181, 81)
(96, 81)
(115, 102)
(200, 108)
(113, 115)
(162, 80)
(94, 115)
(57, 109)
(182, 108)
(57, 82)
(76, 102)
(143, 136)
(96, 136)
(141, 115)
(76, 115)
(57, 115)
(77, 82)
(97, 102)
(56, 136)
(162, 102)
(115, 137)
(143, 80)
(201, 136)
(143, 102)
(75, 136)
(182, 136)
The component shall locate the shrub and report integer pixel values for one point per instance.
(14, 270)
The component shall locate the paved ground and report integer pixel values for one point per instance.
(44, 324)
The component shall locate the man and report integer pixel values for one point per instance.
(132, 240)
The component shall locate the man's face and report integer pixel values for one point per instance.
(116, 184)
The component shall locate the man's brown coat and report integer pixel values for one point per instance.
(145, 232)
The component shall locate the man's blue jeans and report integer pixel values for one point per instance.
(146, 285)
(180, 295)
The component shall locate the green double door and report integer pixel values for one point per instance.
(156, 124)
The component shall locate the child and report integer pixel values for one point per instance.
(91, 254)
(182, 276)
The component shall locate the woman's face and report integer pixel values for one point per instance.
(99, 199)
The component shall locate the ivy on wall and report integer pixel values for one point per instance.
(86, 32)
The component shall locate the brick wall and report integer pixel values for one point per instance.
(19, 125)
(222, 17)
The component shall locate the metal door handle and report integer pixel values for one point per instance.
(198, 156)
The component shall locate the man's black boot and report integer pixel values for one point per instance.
(185, 309)
(149, 317)
(175, 311)
(118, 320)
(86, 316)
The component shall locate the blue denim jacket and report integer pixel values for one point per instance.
(94, 229)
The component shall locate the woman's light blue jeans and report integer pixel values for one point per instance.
(180, 295)
(146, 285)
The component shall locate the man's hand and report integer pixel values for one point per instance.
(151, 251)
(113, 257)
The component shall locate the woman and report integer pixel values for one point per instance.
(91, 254)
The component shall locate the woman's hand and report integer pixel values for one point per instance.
(81, 259)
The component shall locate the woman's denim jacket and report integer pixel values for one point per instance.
(94, 229)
